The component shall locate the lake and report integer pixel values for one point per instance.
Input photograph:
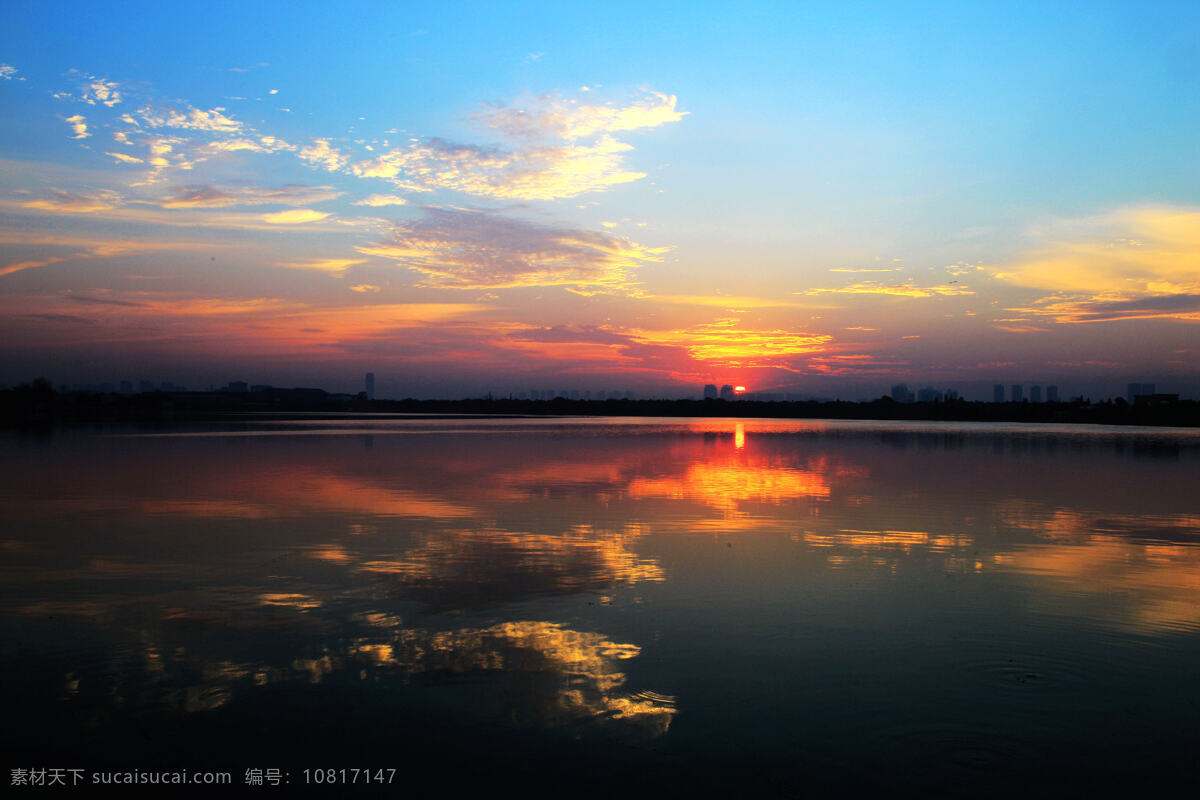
(589, 606)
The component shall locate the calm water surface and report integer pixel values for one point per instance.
(589, 606)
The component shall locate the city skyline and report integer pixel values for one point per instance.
(898, 392)
(830, 200)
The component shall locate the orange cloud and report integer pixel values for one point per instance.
(20, 265)
(1139, 263)
(896, 290)
(295, 215)
(724, 342)
(335, 266)
(87, 248)
(103, 206)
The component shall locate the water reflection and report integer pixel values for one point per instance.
(469, 568)
(583, 577)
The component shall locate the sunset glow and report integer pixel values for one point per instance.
(512, 201)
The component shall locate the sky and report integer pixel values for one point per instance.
(814, 198)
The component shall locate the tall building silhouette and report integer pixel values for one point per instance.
(710, 391)
(997, 393)
(1035, 394)
(1052, 394)
(370, 387)
(1135, 389)
(1018, 394)
(727, 392)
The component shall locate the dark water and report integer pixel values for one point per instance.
(610, 606)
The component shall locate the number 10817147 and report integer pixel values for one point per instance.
(349, 776)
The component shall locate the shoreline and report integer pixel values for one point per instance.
(41, 406)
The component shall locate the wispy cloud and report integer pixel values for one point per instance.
(78, 126)
(1164, 306)
(732, 302)
(552, 147)
(295, 216)
(334, 266)
(8, 269)
(560, 149)
(190, 118)
(531, 173)
(211, 196)
(100, 207)
(170, 136)
(72, 202)
(377, 200)
(552, 116)
(895, 289)
(101, 91)
(260, 144)
(163, 153)
(82, 248)
(9, 72)
(322, 154)
(123, 158)
(482, 250)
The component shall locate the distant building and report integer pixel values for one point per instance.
(145, 386)
(1134, 389)
(1051, 394)
(238, 386)
(902, 394)
(929, 395)
(997, 393)
(1018, 393)
(1035, 394)
(726, 392)
(951, 394)
(710, 391)
(370, 385)
(126, 387)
